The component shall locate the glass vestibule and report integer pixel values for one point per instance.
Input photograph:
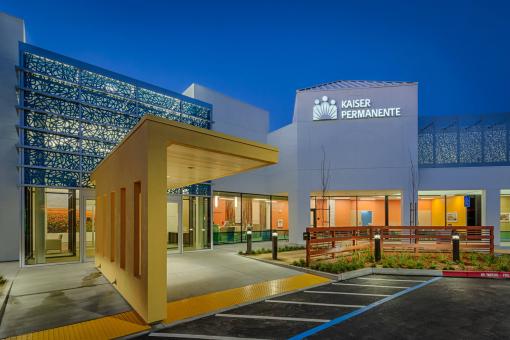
(52, 225)
(188, 223)
(449, 209)
(345, 211)
(236, 213)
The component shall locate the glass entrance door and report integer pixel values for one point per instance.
(174, 227)
(188, 223)
(196, 226)
(88, 224)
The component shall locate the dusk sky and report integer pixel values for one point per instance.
(262, 51)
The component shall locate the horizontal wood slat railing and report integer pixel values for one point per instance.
(330, 241)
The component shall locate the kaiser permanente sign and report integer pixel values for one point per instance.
(362, 108)
(325, 109)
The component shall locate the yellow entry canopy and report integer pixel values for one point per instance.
(131, 186)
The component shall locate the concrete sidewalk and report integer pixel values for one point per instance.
(56, 295)
(202, 272)
(51, 296)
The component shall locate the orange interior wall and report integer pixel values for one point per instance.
(456, 204)
(280, 210)
(219, 212)
(394, 212)
(343, 211)
(377, 208)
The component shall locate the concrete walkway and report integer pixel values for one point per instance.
(56, 295)
(51, 296)
(202, 272)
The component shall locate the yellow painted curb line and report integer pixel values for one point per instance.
(108, 327)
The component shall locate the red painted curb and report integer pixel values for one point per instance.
(478, 274)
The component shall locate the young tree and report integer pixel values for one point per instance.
(325, 177)
(413, 205)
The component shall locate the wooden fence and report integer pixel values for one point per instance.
(329, 242)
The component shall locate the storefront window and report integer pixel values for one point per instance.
(371, 211)
(280, 216)
(449, 209)
(52, 226)
(235, 213)
(343, 211)
(394, 210)
(504, 219)
(346, 211)
(431, 210)
(227, 227)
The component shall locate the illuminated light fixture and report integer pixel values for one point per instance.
(377, 236)
(216, 199)
(455, 237)
(235, 201)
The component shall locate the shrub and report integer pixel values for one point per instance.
(2, 280)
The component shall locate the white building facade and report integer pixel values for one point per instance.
(356, 153)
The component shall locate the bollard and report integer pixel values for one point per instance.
(248, 242)
(275, 246)
(456, 247)
(377, 241)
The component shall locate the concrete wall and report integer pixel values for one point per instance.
(233, 116)
(364, 154)
(242, 120)
(12, 30)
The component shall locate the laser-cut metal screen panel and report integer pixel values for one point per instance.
(73, 114)
(464, 141)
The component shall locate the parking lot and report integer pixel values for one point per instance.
(369, 307)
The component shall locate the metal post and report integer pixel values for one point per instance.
(275, 246)
(377, 241)
(456, 247)
(306, 237)
(248, 242)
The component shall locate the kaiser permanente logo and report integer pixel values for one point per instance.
(351, 109)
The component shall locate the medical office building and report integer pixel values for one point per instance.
(355, 154)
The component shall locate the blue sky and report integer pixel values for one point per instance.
(262, 51)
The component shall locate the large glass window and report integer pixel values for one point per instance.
(504, 219)
(256, 212)
(235, 213)
(280, 216)
(449, 208)
(52, 231)
(345, 211)
(227, 226)
(90, 227)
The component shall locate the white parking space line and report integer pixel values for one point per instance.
(343, 293)
(361, 285)
(198, 336)
(381, 279)
(263, 317)
(315, 304)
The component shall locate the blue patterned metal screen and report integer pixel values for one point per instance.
(464, 141)
(72, 114)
